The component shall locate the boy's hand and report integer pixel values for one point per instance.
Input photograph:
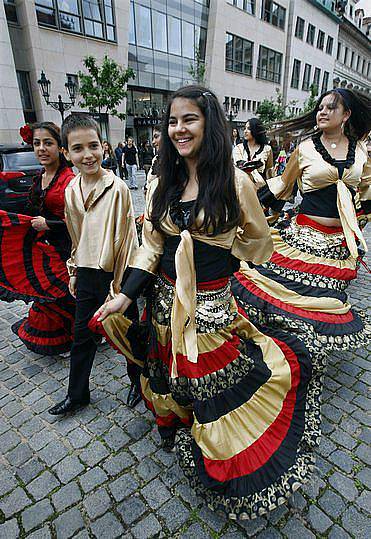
(39, 223)
(119, 304)
(72, 286)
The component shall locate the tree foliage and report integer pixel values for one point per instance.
(103, 88)
(273, 110)
(197, 69)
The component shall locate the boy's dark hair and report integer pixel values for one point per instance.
(217, 192)
(78, 121)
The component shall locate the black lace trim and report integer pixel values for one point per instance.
(247, 149)
(351, 154)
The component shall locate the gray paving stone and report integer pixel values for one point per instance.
(344, 485)
(40, 487)
(14, 502)
(252, 527)
(41, 439)
(363, 452)
(117, 463)
(364, 501)
(41, 533)
(319, 521)
(356, 523)
(196, 531)
(295, 528)
(94, 453)
(97, 503)
(12, 408)
(365, 477)
(66, 496)
(8, 441)
(269, 533)
(342, 460)
(175, 515)
(9, 530)
(148, 469)
(92, 478)
(123, 486)
(32, 427)
(107, 526)
(155, 493)
(36, 514)
(53, 453)
(344, 439)
(143, 448)
(148, 527)
(68, 523)
(337, 532)
(131, 509)
(100, 425)
(68, 468)
(116, 438)
(78, 438)
(137, 428)
(332, 504)
(187, 494)
(8, 481)
(313, 487)
(277, 514)
(19, 455)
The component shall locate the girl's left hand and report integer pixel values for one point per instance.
(39, 223)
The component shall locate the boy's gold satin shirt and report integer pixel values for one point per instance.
(102, 230)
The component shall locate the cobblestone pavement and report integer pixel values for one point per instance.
(100, 473)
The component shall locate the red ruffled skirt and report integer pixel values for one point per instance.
(31, 269)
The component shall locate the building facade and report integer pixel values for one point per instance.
(250, 49)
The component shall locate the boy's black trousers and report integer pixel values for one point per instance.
(92, 288)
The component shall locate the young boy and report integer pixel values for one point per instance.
(100, 220)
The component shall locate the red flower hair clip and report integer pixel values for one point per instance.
(26, 134)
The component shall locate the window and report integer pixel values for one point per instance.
(363, 66)
(246, 5)
(94, 18)
(249, 105)
(326, 75)
(295, 78)
(244, 104)
(174, 35)
(273, 13)
(310, 34)
(159, 31)
(299, 28)
(143, 28)
(338, 51)
(352, 59)
(306, 78)
(269, 65)
(11, 11)
(329, 44)
(346, 51)
(23, 78)
(316, 78)
(320, 40)
(238, 54)
(358, 62)
(188, 39)
(73, 78)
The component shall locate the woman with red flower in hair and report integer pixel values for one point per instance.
(39, 244)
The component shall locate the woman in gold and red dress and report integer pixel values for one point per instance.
(301, 289)
(247, 440)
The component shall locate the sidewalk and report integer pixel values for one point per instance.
(100, 473)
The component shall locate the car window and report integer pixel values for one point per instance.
(20, 161)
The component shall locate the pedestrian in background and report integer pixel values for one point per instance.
(147, 157)
(130, 160)
(109, 160)
(118, 154)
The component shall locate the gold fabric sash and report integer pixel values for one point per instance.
(348, 219)
(183, 314)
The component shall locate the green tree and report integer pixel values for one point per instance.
(310, 103)
(197, 69)
(103, 88)
(273, 110)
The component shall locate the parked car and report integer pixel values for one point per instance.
(18, 165)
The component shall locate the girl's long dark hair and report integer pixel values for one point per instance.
(358, 125)
(258, 131)
(215, 172)
(35, 202)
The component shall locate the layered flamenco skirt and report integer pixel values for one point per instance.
(33, 270)
(301, 290)
(248, 408)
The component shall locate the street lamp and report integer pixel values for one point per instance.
(231, 110)
(60, 105)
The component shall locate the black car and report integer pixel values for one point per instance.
(18, 165)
